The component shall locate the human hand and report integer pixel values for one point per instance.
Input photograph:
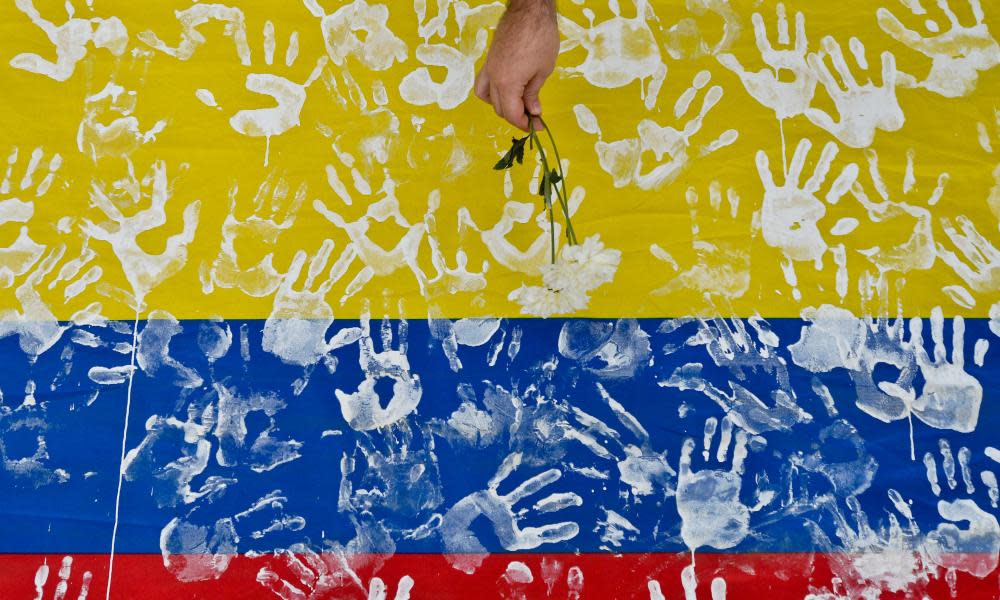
(521, 57)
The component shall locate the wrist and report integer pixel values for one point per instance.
(542, 7)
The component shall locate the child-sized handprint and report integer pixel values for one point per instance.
(958, 54)
(362, 409)
(786, 98)
(973, 549)
(195, 552)
(377, 260)
(36, 323)
(863, 108)
(289, 96)
(143, 270)
(61, 588)
(313, 576)
(689, 581)
(671, 146)
(951, 397)
(721, 268)
(619, 50)
(979, 263)
(732, 346)
(377, 48)
(466, 553)
(20, 186)
(917, 252)
(790, 212)
(296, 329)
(70, 40)
(708, 501)
(191, 19)
(273, 211)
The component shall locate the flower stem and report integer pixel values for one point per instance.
(561, 187)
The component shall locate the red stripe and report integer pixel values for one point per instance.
(606, 577)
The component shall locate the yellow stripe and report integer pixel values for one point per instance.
(731, 268)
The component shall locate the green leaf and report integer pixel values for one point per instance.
(516, 152)
(545, 188)
(554, 177)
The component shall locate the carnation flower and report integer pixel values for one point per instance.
(567, 282)
(542, 301)
(582, 267)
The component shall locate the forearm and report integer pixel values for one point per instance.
(540, 7)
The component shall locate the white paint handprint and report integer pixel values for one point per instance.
(979, 263)
(289, 96)
(18, 207)
(272, 212)
(61, 588)
(959, 54)
(708, 501)
(973, 549)
(619, 50)
(362, 409)
(863, 108)
(295, 331)
(786, 98)
(466, 553)
(790, 212)
(672, 147)
(70, 40)
(721, 268)
(143, 270)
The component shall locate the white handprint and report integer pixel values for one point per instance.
(377, 260)
(191, 19)
(951, 397)
(533, 259)
(959, 54)
(918, 251)
(195, 552)
(315, 577)
(790, 213)
(109, 126)
(377, 49)
(289, 96)
(731, 345)
(295, 331)
(18, 206)
(419, 89)
(721, 268)
(61, 588)
(690, 583)
(708, 501)
(38, 328)
(362, 409)
(273, 211)
(70, 40)
(686, 39)
(863, 108)
(974, 549)
(983, 131)
(979, 265)
(466, 552)
(786, 98)
(619, 50)
(143, 270)
(672, 147)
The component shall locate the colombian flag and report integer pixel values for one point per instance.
(272, 327)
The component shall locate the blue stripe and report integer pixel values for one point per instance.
(81, 422)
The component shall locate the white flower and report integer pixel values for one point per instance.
(540, 301)
(567, 283)
(582, 267)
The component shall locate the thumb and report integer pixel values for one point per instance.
(531, 91)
